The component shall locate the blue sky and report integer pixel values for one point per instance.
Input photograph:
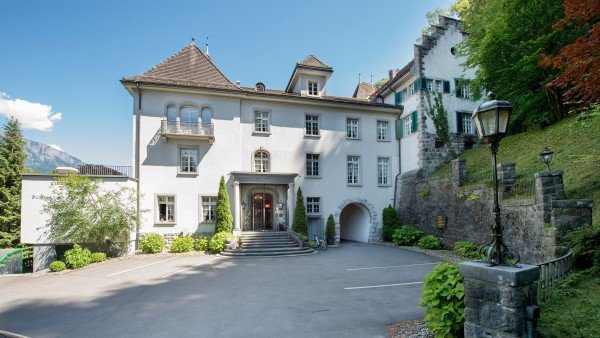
(70, 55)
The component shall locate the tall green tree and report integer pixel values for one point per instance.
(300, 225)
(391, 222)
(12, 164)
(224, 219)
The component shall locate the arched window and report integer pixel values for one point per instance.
(189, 115)
(261, 161)
(206, 115)
(260, 87)
(171, 113)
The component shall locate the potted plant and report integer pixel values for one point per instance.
(330, 230)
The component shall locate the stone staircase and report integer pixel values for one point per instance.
(267, 244)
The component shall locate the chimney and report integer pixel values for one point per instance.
(238, 83)
(393, 72)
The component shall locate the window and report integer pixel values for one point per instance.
(313, 205)
(438, 86)
(188, 160)
(312, 125)
(261, 161)
(209, 209)
(352, 128)
(462, 88)
(260, 87)
(407, 125)
(312, 164)
(189, 115)
(411, 90)
(429, 85)
(313, 88)
(166, 209)
(171, 113)
(405, 93)
(382, 131)
(383, 171)
(464, 124)
(206, 115)
(353, 170)
(261, 122)
(378, 99)
(465, 91)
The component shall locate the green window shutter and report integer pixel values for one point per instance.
(457, 87)
(424, 83)
(417, 85)
(446, 86)
(459, 116)
(399, 131)
(398, 98)
(415, 126)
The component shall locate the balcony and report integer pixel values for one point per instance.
(191, 131)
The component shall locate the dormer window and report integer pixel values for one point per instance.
(260, 87)
(378, 99)
(313, 88)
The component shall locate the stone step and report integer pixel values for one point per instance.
(283, 253)
(262, 249)
(264, 234)
(274, 245)
(266, 241)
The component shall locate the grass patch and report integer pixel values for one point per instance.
(576, 146)
(572, 309)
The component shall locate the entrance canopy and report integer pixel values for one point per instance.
(247, 177)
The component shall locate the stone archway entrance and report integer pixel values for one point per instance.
(356, 220)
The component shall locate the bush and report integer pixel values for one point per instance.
(391, 222)
(152, 243)
(585, 243)
(223, 217)
(57, 266)
(442, 297)
(217, 242)
(407, 236)
(78, 257)
(182, 244)
(430, 242)
(98, 257)
(202, 243)
(330, 230)
(466, 249)
(299, 224)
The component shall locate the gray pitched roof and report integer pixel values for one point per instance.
(364, 90)
(188, 67)
(312, 62)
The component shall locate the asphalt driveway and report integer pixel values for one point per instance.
(352, 291)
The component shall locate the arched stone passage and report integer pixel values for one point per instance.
(359, 221)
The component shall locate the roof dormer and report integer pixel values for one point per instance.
(309, 77)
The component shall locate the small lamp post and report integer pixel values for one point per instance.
(491, 120)
(546, 156)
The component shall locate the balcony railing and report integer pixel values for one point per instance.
(187, 129)
(104, 170)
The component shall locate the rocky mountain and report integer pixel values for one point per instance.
(44, 159)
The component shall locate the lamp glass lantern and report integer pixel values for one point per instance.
(546, 156)
(491, 119)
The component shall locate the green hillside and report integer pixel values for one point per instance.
(576, 145)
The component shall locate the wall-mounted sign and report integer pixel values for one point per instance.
(440, 222)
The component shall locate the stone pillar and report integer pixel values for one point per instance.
(290, 205)
(237, 205)
(507, 176)
(459, 172)
(549, 187)
(498, 299)
(43, 255)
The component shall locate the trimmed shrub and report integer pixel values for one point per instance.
(466, 249)
(182, 244)
(78, 257)
(217, 242)
(442, 297)
(98, 257)
(57, 266)
(391, 222)
(300, 225)
(330, 230)
(407, 236)
(223, 216)
(152, 243)
(430, 242)
(202, 243)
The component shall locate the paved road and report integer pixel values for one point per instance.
(352, 291)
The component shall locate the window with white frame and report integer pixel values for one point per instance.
(188, 160)
(313, 205)
(209, 209)
(438, 86)
(261, 161)
(429, 85)
(408, 125)
(411, 90)
(464, 123)
(382, 131)
(165, 208)
(405, 93)
(172, 113)
(353, 170)
(383, 171)
(312, 164)
(313, 88)
(465, 91)
(261, 122)
(312, 125)
(352, 128)
(189, 115)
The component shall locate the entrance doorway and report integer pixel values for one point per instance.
(262, 211)
(355, 223)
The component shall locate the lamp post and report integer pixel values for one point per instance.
(546, 156)
(491, 120)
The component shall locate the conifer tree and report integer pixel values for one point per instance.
(224, 219)
(391, 222)
(300, 225)
(12, 164)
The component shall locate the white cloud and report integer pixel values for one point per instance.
(31, 115)
(55, 146)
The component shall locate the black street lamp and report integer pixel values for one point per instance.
(546, 156)
(491, 119)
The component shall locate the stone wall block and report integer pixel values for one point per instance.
(459, 172)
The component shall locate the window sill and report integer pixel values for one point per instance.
(208, 223)
(384, 141)
(164, 224)
(261, 133)
(187, 174)
(384, 185)
(358, 185)
(353, 138)
(314, 177)
(314, 215)
(312, 136)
